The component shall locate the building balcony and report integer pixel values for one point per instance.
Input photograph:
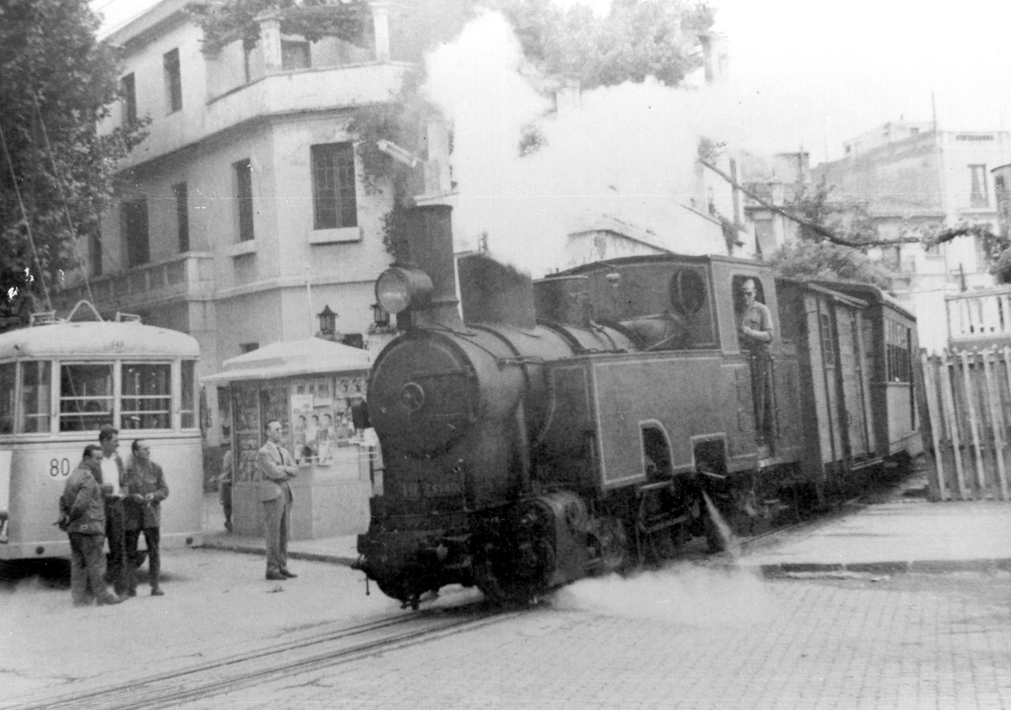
(286, 92)
(980, 318)
(185, 278)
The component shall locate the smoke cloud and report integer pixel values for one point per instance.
(626, 151)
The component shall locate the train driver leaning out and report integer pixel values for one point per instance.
(757, 335)
(276, 466)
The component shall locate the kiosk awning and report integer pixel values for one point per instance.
(291, 358)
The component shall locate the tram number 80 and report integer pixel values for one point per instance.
(59, 467)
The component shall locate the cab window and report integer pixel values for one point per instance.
(147, 396)
(35, 395)
(86, 396)
(7, 375)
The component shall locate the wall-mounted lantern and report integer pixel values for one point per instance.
(380, 316)
(327, 321)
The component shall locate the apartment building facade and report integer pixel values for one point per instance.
(915, 181)
(245, 211)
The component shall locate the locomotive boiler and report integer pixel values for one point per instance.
(571, 427)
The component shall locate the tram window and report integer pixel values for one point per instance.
(7, 371)
(147, 396)
(86, 397)
(35, 393)
(187, 409)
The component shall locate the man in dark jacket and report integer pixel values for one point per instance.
(144, 489)
(82, 516)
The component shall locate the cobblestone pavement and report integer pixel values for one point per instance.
(700, 638)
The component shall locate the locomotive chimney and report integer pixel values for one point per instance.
(431, 251)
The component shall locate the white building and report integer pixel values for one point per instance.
(244, 212)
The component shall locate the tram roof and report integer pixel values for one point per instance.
(96, 338)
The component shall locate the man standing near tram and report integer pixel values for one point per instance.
(82, 517)
(111, 475)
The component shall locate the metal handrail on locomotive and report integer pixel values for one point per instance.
(61, 381)
(598, 417)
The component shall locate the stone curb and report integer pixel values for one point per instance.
(886, 567)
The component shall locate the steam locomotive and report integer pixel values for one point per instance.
(594, 419)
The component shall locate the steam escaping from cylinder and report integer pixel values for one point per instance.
(730, 543)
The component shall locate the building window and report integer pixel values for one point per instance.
(182, 216)
(173, 81)
(244, 196)
(978, 196)
(128, 88)
(333, 186)
(135, 231)
(295, 55)
(248, 347)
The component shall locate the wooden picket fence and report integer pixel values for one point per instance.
(968, 400)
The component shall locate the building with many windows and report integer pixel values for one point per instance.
(916, 181)
(244, 212)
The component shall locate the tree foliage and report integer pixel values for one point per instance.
(227, 21)
(636, 39)
(56, 84)
(813, 256)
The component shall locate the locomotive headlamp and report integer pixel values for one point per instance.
(398, 289)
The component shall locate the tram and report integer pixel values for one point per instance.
(63, 380)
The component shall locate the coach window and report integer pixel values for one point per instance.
(7, 380)
(86, 396)
(35, 396)
(147, 396)
(898, 349)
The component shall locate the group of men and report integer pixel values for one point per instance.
(105, 500)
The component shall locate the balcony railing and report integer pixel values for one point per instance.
(191, 275)
(980, 315)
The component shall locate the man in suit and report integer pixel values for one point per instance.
(276, 467)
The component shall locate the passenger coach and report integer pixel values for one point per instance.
(62, 381)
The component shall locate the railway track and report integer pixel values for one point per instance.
(310, 652)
